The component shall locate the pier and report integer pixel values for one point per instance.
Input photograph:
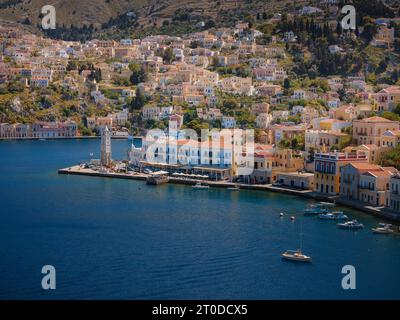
(376, 211)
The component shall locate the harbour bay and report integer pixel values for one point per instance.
(122, 239)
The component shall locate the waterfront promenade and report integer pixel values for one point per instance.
(376, 211)
(63, 138)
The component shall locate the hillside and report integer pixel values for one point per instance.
(98, 12)
(76, 12)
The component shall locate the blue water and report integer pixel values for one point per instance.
(122, 239)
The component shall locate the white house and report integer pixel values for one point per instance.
(299, 95)
(228, 122)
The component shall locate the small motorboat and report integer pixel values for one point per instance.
(314, 211)
(383, 228)
(325, 204)
(296, 255)
(199, 186)
(233, 189)
(353, 225)
(338, 215)
(382, 224)
(281, 214)
(292, 218)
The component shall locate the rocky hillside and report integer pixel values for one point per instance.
(98, 12)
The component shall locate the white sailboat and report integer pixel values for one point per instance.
(297, 255)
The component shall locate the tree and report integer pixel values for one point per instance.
(15, 86)
(397, 109)
(339, 29)
(139, 74)
(189, 115)
(84, 130)
(311, 154)
(392, 158)
(139, 101)
(370, 29)
(168, 56)
(345, 142)
(391, 116)
(286, 84)
(229, 106)
(209, 24)
(71, 65)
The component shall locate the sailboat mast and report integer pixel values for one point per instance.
(301, 235)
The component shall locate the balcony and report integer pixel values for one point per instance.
(363, 187)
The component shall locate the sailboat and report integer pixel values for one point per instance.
(297, 255)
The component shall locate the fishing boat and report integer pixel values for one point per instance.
(199, 186)
(296, 255)
(336, 215)
(383, 228)
(353, 225)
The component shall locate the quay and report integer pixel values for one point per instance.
(65, 138)
(379, 212)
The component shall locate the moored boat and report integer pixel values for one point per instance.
(296, 255)
(338, 215)
(314, 211)
(318, 208)
(325, 204)
(383, 229)
(199, 186)
(353, 225)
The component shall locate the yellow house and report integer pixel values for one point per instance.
(370, 130)
(327, 170)
(333, 124)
